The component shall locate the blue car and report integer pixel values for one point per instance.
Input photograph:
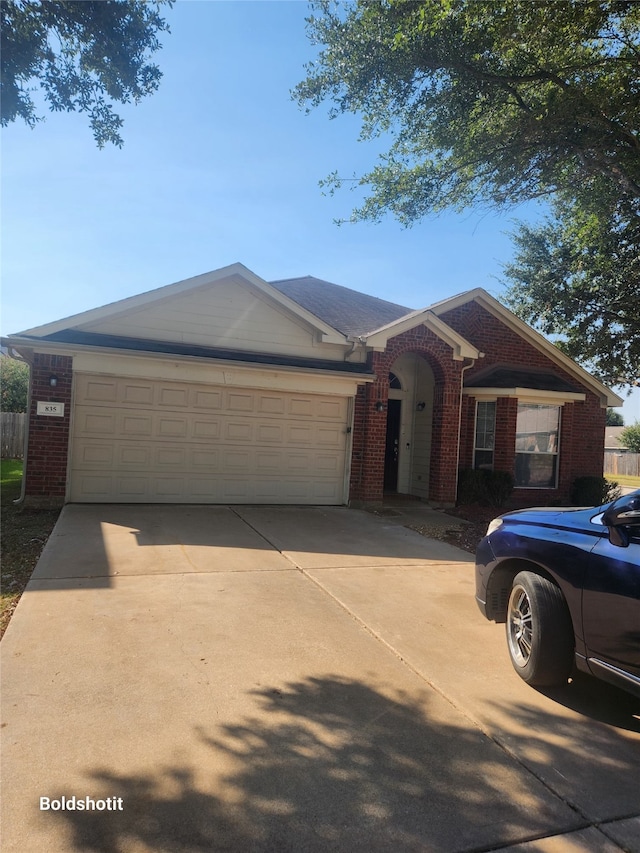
(567, 584)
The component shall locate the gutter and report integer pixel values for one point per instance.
(466, 367)
(25, 444)
(221, 358)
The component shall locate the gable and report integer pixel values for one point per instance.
(505, 339)
(229, 315)
(229, 309)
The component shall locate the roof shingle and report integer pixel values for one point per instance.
(346, 310)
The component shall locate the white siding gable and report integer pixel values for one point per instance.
(227, 314)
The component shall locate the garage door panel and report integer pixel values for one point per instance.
(154, 441)
(204, 459)
(208, 430)
(101, 391)
(171, 456)
(211, 400)
(238, 431)
(137, 456)
(274, 405)
(137, 394)
(135, 425)
(168, 488)
(95, 487)
(328, 436)
(327, 464)
(101, 455)
(298, 434)
(174, 398)
(240, 402)
(132, 487)
(270, 433)
(171, 427)
(97, 423)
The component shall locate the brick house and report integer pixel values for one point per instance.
(225, 388)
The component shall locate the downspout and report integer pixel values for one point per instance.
(354, 345)
(472, 361)
(25, 443)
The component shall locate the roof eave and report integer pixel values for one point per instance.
(26, 347)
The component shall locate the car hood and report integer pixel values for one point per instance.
(569, 518)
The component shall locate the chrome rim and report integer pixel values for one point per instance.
(520, 626)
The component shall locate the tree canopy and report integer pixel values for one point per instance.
(83, 56)
(496, 102)
(577, 276)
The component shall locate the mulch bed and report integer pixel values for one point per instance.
(23, 535)
(469, 525)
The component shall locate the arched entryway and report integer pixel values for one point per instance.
(425, 420)
(409, 426)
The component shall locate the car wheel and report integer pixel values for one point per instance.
(539, 631)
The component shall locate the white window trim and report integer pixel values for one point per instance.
(528, 395)
(475, 433)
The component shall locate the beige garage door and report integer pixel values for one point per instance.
(179, 442)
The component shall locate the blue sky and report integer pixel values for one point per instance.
(220, 165)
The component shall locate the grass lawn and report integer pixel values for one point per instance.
(23, 533)
(621, 480)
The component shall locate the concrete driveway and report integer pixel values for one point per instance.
(290, 679)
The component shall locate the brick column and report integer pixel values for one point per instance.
(370, 430)
(504, 458)
(467, 432)
(443, 476)
(47, 452)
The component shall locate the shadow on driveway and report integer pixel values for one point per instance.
(329, 764)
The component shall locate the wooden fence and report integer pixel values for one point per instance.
(618, 463)
(12, 427)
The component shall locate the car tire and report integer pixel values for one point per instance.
(539, 631)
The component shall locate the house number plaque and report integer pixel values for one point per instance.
(53, 410)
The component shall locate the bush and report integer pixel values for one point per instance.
(490, 488)
(14, 384)
(593, 491)
(630, 438)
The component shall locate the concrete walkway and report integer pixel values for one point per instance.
(290, 679)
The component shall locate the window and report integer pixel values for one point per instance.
(485, 435)
(537, 431)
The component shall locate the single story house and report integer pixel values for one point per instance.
(226, 388)
(612, 439)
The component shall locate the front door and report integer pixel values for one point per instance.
(392, 447)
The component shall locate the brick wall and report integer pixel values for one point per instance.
(582, 423)
(46, 464)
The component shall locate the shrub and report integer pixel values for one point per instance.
(491, 488)
(630, 437)
(499, 485)
(593, 491)
(14, 384)
(469, 486)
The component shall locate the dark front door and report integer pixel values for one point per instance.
(392, 446)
